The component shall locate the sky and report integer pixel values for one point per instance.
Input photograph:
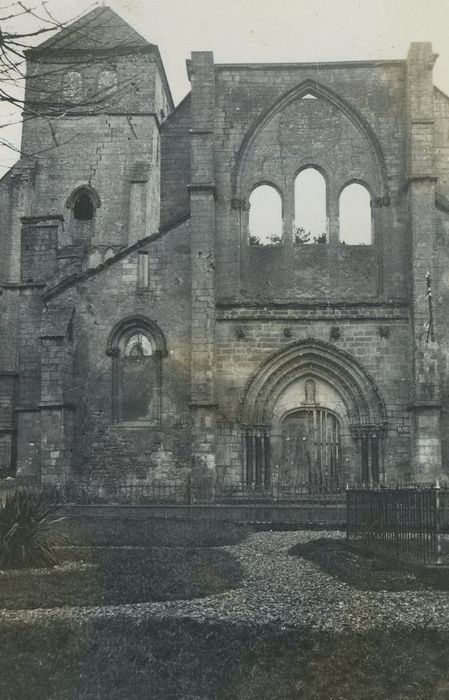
(269, 31)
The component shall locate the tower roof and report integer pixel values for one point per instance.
(99, 30)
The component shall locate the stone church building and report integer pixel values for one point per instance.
(253, 284)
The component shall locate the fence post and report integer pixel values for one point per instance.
(437, 522)
(348, 514)
(189, 489)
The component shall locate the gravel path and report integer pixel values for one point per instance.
(289, 592)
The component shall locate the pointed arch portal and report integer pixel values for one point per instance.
(313, 416)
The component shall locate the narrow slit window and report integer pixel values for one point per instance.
(355, 215)
(310, 207)
(265, 216)
(143, 271)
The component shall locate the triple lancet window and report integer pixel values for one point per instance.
(311, 220)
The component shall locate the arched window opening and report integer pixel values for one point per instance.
(72, 86)
(83, 207)
(265, 216)
(310, 207)
(107, 80)
(137, 346)
(355, 215)
(83, 204)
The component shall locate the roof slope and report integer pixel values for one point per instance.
(99, 29)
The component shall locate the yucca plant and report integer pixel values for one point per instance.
(26, 521)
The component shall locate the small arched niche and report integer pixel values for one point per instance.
(265, 216)
(310, 225)
(83, 203)
(355, 215)
(83, 207)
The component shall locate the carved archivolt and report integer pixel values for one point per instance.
(358, 392)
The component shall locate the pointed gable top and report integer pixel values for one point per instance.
(99, 30)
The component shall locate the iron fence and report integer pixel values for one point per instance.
(409, 522)
(165, 492)
(108, 492)
(284, 491)
(283, 504)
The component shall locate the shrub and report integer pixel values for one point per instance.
(26, 520)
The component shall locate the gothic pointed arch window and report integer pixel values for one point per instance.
(355, 215)
(83, 204)
(265, 216)
(310, 207)
(137, 347)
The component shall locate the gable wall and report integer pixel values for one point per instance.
(243, 95)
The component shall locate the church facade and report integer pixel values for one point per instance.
(253, 284)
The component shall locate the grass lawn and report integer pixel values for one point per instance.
(125, 653)
(366, 570)
(128, 658)
(108, 561)
(91, 577)
(151, 532)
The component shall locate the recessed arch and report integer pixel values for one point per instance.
(127, 327)
(359, 394)
(82, 203)
(83, 189)
(320, 91)
(136, 346)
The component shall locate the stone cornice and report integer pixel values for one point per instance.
(313, 310)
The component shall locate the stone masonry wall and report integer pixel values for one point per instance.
(104, 449)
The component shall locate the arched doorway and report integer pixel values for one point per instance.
(313, 417)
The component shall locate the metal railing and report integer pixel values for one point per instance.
(172, 491)
(185, 491)
(408, 522)
(285, 491)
